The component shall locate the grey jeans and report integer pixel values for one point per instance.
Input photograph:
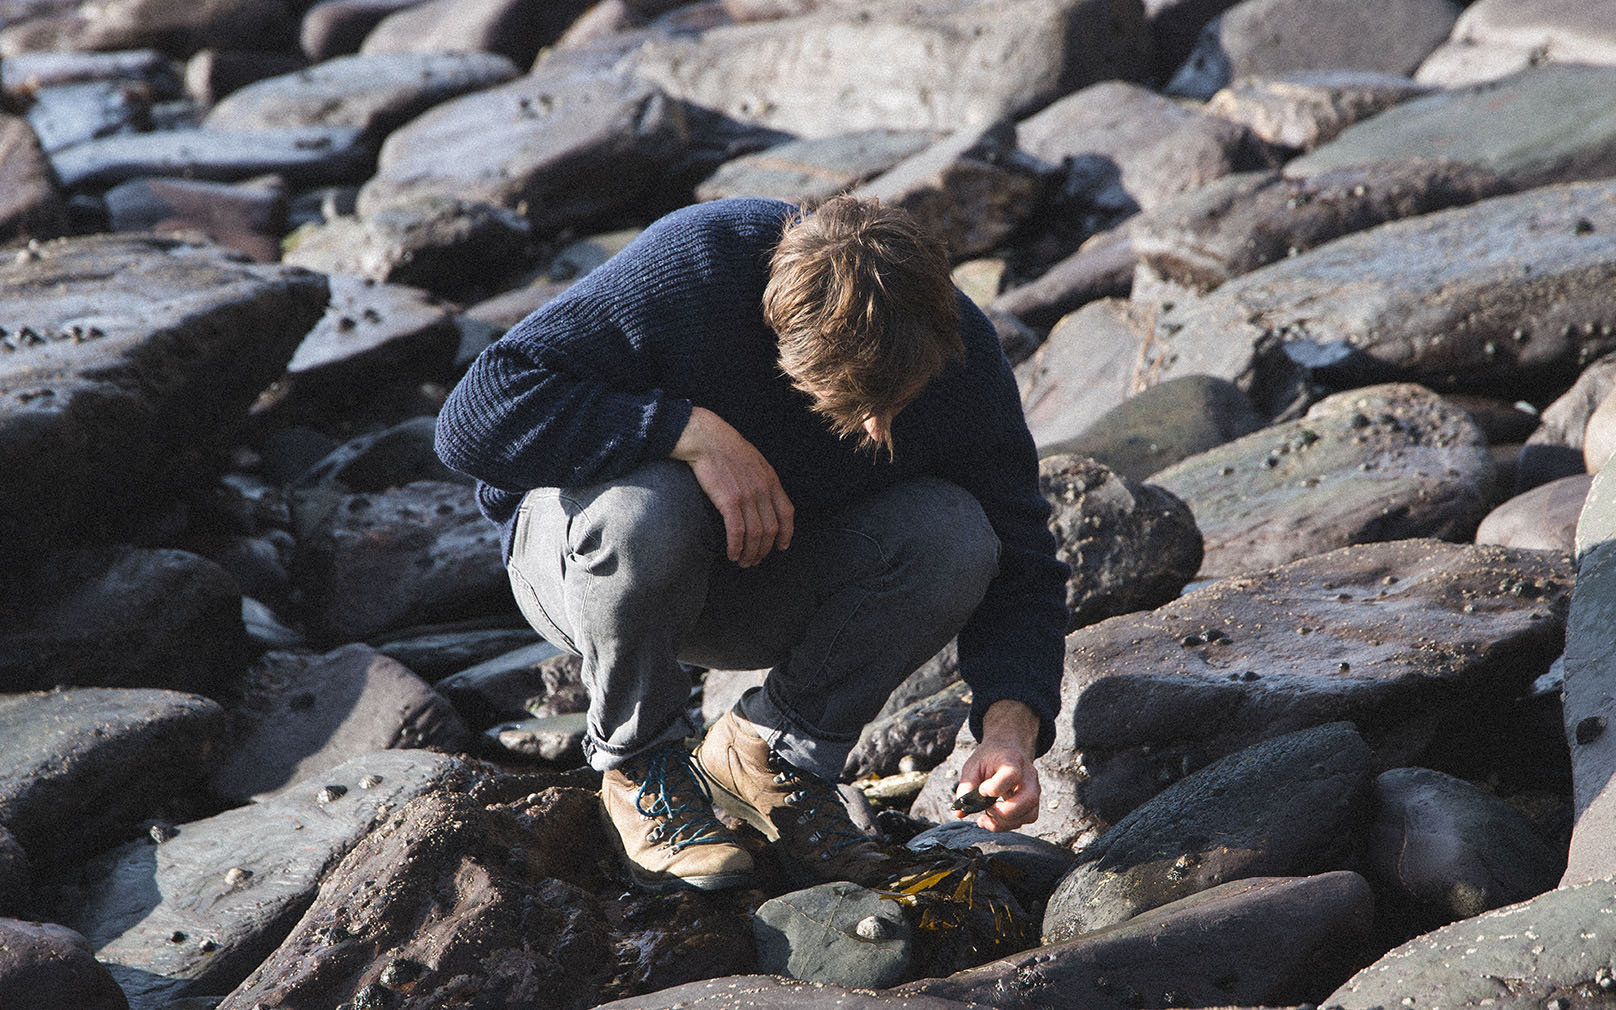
(631, 576)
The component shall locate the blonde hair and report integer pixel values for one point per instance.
(861, 300)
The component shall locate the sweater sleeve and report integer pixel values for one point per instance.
(1013, 646)
(554, 404)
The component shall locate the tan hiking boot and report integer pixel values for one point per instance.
(661, 815)
(799, 810)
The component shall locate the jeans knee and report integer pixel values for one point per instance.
(655, 522)
(956, 548)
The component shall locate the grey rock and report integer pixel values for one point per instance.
(1131, 546)
(174, 29)
(15, 877)
(771, 992)
(931, 677)
(839, 933)
(721, 689)
(307, 155)
(1102, 267)
(40, 958)
(815, 168)
(443, 244)
(193, 915)
(560, 149)
(1404, 639)
(1089, 364)
(528, 908)
(372, 562)
(1379, 463)
(1127, 148)
(1542, 125)
(515, 29)
(22, 74)
(378, 462)
(502, 311)
(130, 358)
(1452, 850)
(249, 217)
(1236, 224)
(1302, 110)
(332, 28)
(67, 114)
(30, 206)
(1284, 807)
(916, 737)
(376, 92)
(299, 716)
(1555, 448)
(1544, 518)
(84, 766)
(1397, 302)
(437, 652)
(972, 189)
(1599, 436)
(513, 683)
(1516, 957)
(371, 328)
(557, 739)
(836, 70)
(1494, 38)
(126, 617)
(1166, 423)
(211, 74)
(1588, 701)
(1175, 25)
(1265, 37)
(1263, 941)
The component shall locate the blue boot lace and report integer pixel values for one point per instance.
(674, 792)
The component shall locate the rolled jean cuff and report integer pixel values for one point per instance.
(790, 739)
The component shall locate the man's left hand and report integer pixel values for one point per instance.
(1001, 768)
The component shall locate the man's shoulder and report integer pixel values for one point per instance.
(747, 215)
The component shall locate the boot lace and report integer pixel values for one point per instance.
(674, 792)
(818, 804)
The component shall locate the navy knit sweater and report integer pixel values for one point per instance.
(602, 380)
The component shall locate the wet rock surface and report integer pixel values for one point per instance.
(275, 735)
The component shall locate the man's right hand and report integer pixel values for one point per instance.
(741, 483)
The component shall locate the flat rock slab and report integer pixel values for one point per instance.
(1284, 807)
(1494, 38)
(1168, 422)
(1131, 546)
(376, 93)
(832, 70)
(372, 328)
(1128, 148)
(82, 767)
(373, 562)
(193, 915)
(305, 155)
(1264, 941)
(801, 170)
(1379, 463)
(1304, 109)
(123, 357)
(1544, 518)
(1236, 224)
(1523, 957)
(1398, 638)
(1265, 37)
(559, 149)
(1089, 365)
(1507, 295)
(1589, 694)
(301, 716)
(1545, 124)
(440, 244)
